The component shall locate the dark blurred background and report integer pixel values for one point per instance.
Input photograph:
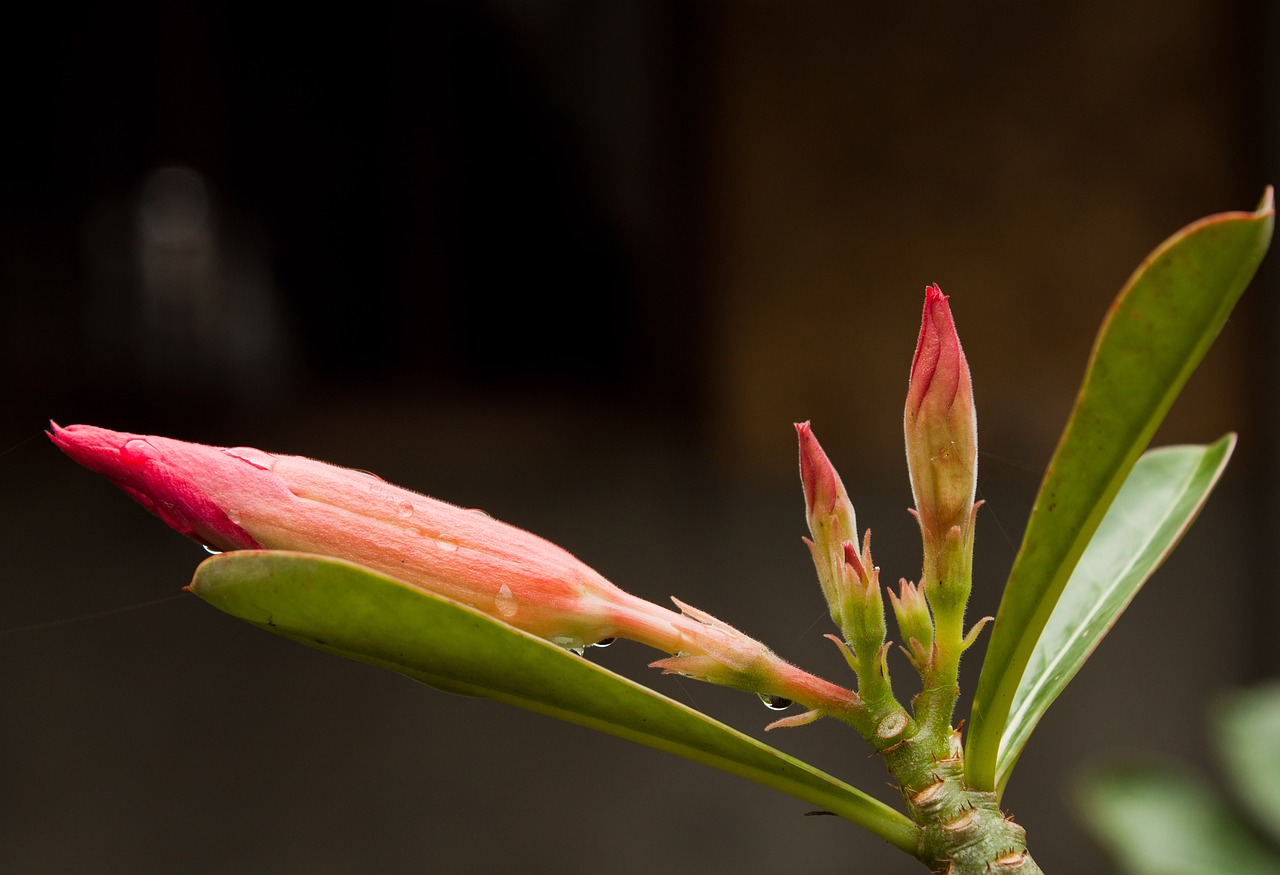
(582, 265)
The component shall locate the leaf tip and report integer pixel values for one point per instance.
(1267, 206)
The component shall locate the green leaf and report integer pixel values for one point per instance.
(1160, 820)
(1247, 733)
(1157, 504)
(351, 611)
(1154, 335)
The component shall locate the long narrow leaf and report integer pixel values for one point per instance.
(1157, 504)
(1154, 335)
(353, 612)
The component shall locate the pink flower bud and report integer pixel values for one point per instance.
(236, 498)
(850, 580)
(941, 424)
(831, 520)
(824, 493)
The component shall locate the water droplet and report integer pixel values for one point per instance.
(447, 543)
(405, 509)
(570, 643)
(506, 602)
(775, 703)
(137, 452)
(256, 458)
(212, 551)
(603, 642)
(480, 511)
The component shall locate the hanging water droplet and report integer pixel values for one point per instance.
(447, 543)
(775, 703)
(573, 645)
(256, 458)
(603, 642)
(212, 551)
(405, 509)
(506, 602)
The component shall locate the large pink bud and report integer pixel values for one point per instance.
(244, 498)
(941, 424)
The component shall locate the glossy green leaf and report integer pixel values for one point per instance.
(1247, 735)
(1160, 820)
(1154, 335)
(1157, 504)
(351, 611)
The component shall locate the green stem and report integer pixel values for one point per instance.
(962, 831)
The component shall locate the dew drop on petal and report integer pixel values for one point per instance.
(405, 509)
(775, 703)
(137, 452)
(506, 602)
(447, 543)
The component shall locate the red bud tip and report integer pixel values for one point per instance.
(853, 560)
(824, 493)
(146, 468)
(938, 357)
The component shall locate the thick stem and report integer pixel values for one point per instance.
(963, 831)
